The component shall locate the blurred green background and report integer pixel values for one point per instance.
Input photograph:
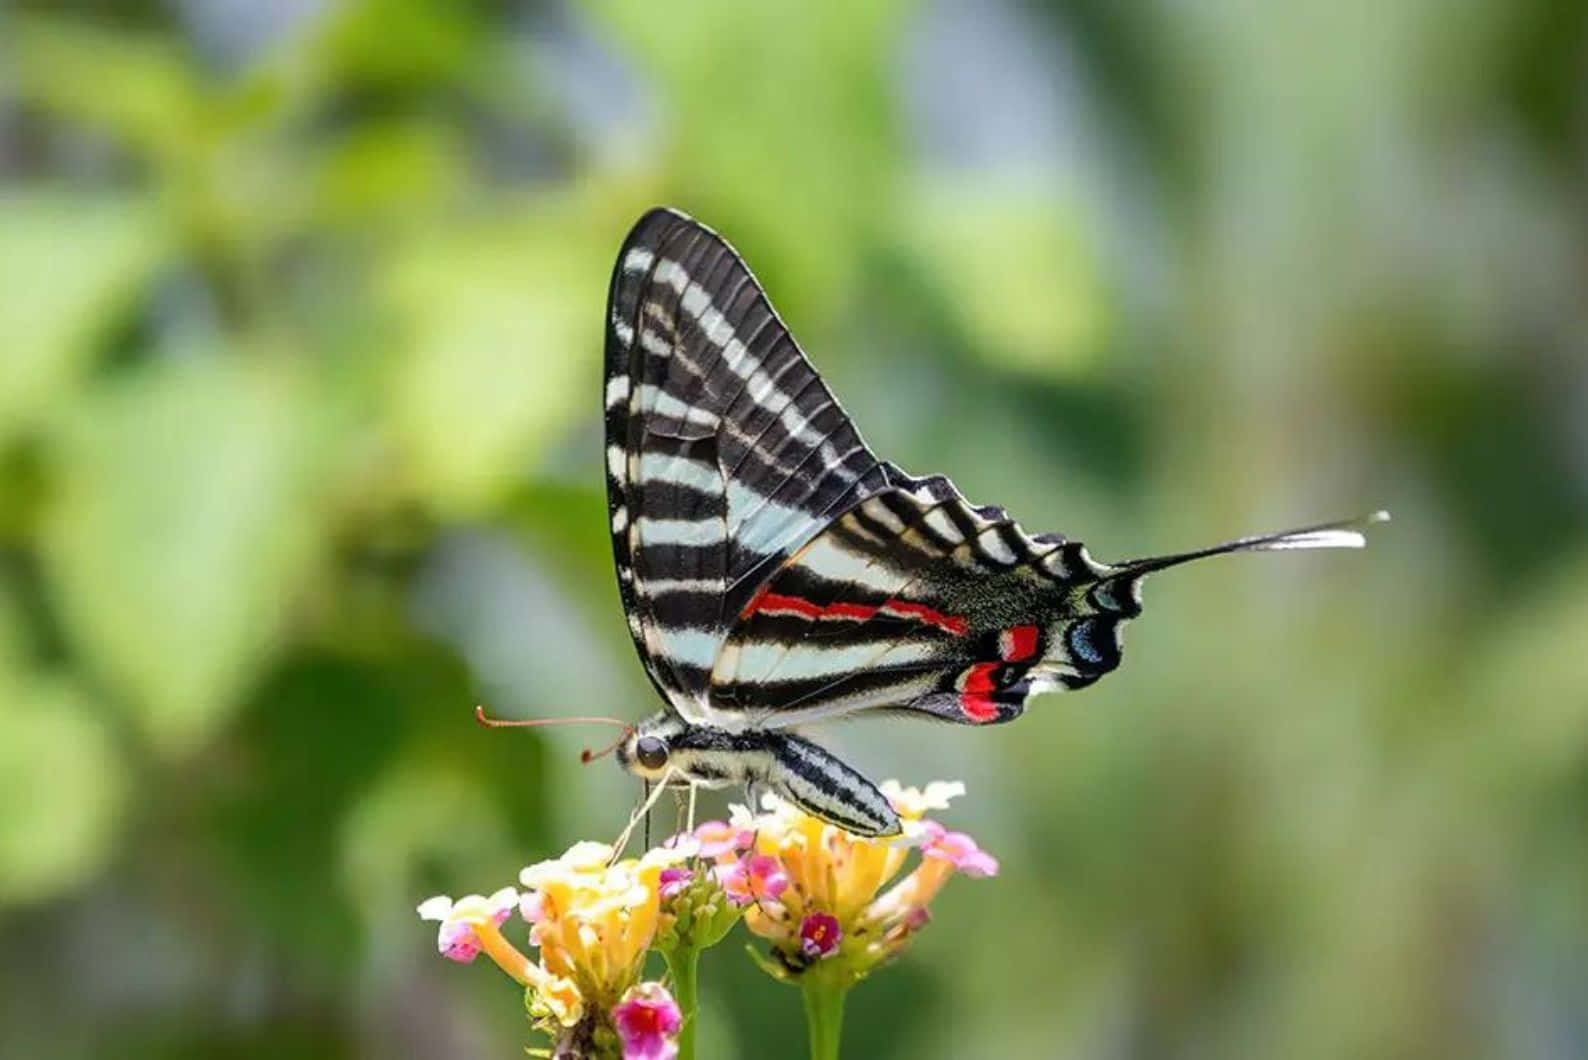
(300, 342)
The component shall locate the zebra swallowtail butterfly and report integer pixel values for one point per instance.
(775, 572)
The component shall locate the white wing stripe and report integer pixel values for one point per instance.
(617, 391)
(939, 521)
(782, 661)
(832, 562)
(690, 647)
(996, 548)
(656, 586)
(679, 531)
(771, 518)
(654, 399)
(680, 471)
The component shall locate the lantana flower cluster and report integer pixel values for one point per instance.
(832, 905)
(593, 920)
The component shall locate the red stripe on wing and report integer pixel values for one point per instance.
(770, 603)
(949, 623)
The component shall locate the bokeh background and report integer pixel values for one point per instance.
(300, 458)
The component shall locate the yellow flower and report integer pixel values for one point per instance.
(558, 997)
(829, 908)
(593, 922)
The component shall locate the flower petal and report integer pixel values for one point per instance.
(647, 1020)
(915, 803)
(959, 850)
(820, 935)
(673, 881)
(456, 941)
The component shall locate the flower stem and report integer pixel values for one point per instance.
(824, 1013)
(684, 964)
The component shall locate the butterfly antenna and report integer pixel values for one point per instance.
(586, 755)
(1346, 533)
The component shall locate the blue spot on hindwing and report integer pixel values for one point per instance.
(1091, 642)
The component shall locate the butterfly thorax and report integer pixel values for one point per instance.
(665, 749)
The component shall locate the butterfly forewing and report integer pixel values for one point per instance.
(725, 450)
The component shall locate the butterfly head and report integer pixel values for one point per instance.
(647, 751)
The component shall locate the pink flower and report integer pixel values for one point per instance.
(767, 878)
(647, 1021)
(717, 838)
(759, 877)
(820, 935)
(958, 849)
(458, 938)
(912, 920)
(673, 881)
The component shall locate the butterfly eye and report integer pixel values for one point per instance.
(651, 751)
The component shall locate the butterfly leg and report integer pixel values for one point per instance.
(643, 813)
(680, 807)
(754, 792)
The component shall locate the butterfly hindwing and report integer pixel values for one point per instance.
(915, 600)
(725, 450)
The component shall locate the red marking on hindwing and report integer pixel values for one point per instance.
(974, 699)
(770, 603)
(1017, 643)
(905, 609)
(755, 602)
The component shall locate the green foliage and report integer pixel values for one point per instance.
(300, 339)
(68, 264)
(182, 529)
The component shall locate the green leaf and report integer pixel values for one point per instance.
(506, 354)
(1532, 657)
(131, 84)
(1016, 272)
(419, 815)
(179, 534)
(61, 787)
(781, 131)
(67, 265)
(389, 44)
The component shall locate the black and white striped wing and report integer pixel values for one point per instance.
(725, 450)
(916, 600)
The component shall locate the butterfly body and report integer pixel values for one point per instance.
(681, 753)
(775, 572)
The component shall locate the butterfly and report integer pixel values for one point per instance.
(775, 572)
